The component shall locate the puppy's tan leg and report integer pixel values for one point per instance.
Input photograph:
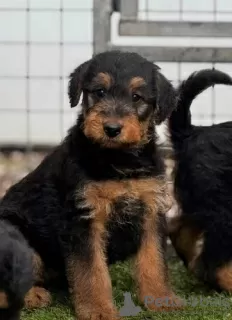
(188, 243)
(224, 277)
(151, 273)
(3, 300)
(37, 296)
(90, 282)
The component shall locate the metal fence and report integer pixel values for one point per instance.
(41, 41)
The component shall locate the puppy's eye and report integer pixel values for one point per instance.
(136, 97)
(100, 93)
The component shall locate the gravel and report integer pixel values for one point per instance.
(15, 165)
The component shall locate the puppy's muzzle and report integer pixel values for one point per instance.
(112, 129)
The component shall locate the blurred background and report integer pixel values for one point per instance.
(42, 41)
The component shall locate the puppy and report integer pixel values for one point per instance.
(201, 231)
(101, 195)
(16, 260)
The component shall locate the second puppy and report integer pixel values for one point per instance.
(202, 230)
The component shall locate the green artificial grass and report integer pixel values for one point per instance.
(184, 284)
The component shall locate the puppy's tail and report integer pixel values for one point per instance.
(180, 120)
(16, 271)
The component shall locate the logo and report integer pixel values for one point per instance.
(129, 308)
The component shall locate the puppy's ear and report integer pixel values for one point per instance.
(75, 83)
(166, 98)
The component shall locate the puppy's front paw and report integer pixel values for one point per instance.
(37, 297)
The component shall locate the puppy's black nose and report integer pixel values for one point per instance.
(112, 129)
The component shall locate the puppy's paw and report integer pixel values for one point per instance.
(37, 297)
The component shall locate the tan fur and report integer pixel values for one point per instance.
(104, 79)
(3, 300)
(189, 242)
(150, 266)
(224, 277)
(136, 83)
(93, 125)
(133, 132)
(37, 297)
(100, 195)
(90, 283)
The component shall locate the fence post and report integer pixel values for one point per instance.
(102, 10)
(129, 9)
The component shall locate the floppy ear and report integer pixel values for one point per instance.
(75, 83)
(166, 98)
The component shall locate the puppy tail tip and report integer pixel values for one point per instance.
(197, 82)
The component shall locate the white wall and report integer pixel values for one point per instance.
(33, 77)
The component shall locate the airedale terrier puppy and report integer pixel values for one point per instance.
(201, 227)
(99, 197)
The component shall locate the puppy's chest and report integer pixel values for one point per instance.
(123, 200)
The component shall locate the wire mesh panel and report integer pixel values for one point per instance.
(188, 10)
(41, 41)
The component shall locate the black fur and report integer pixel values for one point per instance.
(160, 94)
(203, 174)
(133, 216)
(44, 205)
(15, 269)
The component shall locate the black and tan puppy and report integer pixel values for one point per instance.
(202, 230)
(100, 196)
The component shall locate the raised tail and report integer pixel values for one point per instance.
(16, 272)
(197, 82)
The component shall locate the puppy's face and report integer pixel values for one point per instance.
(122, 98)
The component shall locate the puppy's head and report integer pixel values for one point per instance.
(123, 95)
